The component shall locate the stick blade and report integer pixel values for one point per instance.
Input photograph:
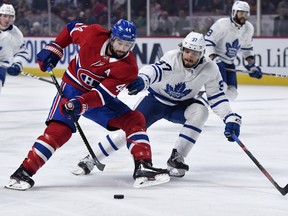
(284, 190)
(98, 164)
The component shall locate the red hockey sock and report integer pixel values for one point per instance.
(55, 135)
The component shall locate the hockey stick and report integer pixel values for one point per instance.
(284, 190)
(97, 163)
(36, 77)
(267, 74)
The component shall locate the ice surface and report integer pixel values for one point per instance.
(222, 181)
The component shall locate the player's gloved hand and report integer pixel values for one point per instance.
(49, 56)
(141, 83)
(254, 71)
(233, 122)
(14, 70)
(76, 106)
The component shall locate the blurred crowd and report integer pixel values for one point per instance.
(167, 17)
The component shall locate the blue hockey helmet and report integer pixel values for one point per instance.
(124, 30)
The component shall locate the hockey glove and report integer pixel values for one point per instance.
(233, 122)
(49, 56)
(76, 106)
(254, 71)
(14, 70)
(140, 84)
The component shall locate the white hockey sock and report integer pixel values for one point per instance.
(110, 144)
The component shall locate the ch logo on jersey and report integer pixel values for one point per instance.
(232, 49)
(178, 92)
(88, 79)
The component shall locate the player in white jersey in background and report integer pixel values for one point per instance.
(173, 84)
(225, 39)
(13, 53)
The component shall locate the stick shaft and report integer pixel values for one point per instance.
(267, 74)
(36, 77)
(97, 163)
(283, 191)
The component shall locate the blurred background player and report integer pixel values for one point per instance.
(173, 84)
(103, 67)
(225, 39)
(13, 52)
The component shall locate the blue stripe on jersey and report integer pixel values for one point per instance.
(111, 143)
(187, 138)
(215, 96)
(219, 102)
(211, 43)
(250, 48)
(158, 72)
(24, 57)
(102, 149)
(45, 151)
(162, 97)
(193, 128)
(70, 26)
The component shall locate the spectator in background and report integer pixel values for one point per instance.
(140, 22)
(165, 26)
(218, 6)
(207, 24)
(155, 11)
(281, 21)
(268, 7)
(182, 24)
(35, 29)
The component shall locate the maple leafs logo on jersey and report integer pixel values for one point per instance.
(232, 49)
(178, 92)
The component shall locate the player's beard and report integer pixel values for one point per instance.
(241, 21)
(116, 54)
(188, 63)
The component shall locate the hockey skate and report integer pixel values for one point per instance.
(176, 165)
(145, 175)
(20, 180)
(84, 167)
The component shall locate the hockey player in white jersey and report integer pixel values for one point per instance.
(225, 39)
(13, 53)
(173, 84)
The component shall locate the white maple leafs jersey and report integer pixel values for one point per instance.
(12, 47)
(171, 82)
(226, 40)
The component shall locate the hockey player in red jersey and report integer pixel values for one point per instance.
(103, 67)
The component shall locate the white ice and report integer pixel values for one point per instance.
(222, 181)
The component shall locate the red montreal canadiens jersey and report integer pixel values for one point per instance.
(91, 68)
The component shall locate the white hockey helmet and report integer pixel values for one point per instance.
(240, 6)
(7, 9)
(194, 41)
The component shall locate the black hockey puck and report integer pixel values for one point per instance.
(118, 196)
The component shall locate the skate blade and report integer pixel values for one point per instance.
(15, 185)
(142, 182)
